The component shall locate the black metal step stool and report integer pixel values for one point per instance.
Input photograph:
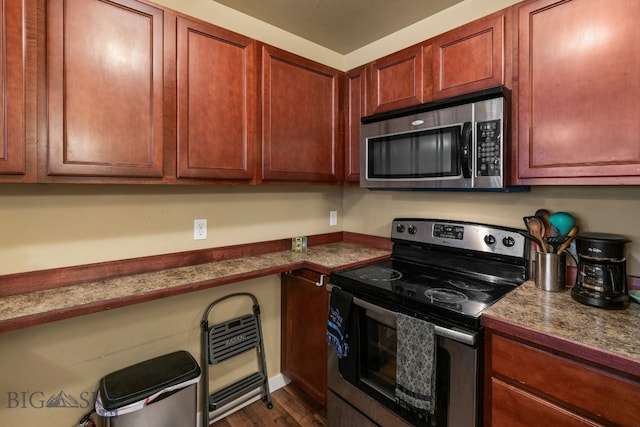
(228, 339)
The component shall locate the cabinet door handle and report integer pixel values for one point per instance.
(321, 281)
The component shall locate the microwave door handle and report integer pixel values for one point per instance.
(467, 149)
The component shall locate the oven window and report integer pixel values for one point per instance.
(378, 369)
(422, 154)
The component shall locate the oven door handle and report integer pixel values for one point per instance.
(390, 317)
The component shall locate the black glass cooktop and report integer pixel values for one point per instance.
(444, 270)
(422, 288)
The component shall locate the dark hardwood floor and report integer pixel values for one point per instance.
(291, 407)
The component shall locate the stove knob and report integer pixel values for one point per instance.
(490, 239)
(400, 228)
(412, 229)
(509, 241)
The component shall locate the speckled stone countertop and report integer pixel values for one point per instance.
(553, 319)
(54, 304)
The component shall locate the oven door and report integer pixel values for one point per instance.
(365, 379)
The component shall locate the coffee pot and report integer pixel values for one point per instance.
(602, 278)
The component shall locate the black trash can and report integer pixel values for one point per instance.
(159, 392)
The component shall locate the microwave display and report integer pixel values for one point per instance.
(419, 154)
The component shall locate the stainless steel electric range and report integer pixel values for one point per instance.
(441, 271)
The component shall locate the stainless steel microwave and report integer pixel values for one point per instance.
(459, 143)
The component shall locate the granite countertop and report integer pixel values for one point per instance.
(553, 319)
(69, 301)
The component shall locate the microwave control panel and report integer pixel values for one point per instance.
(489, 149)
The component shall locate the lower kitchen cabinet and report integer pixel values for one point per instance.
(305, 306)
(529, 385)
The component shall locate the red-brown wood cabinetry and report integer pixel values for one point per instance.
(578, 74)
(301, 138)
(105, 88)
(528, 385)
(471, 57)
(401, 79)
(217, 102)
(305, 307)
(355, 109)
(17, 73)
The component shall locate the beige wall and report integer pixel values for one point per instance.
(47, 226)
(597, 209)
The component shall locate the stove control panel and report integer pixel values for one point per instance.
(460, 234)
(448, 231)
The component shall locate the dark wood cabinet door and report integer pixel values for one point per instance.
(355, 102)
(216, 102)
(513, 406)
(105, 88)
(12, 88)
(305, 308)
(533, 384)
(469, 58)
(300, 119)
(578, 92)
(401, 79)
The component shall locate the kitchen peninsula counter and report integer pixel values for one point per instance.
(42, 306)
(554, 320)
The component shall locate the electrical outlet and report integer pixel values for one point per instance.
(333, 217)
(299, 244)
(199, 229)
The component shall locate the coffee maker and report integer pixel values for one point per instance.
(602, 278)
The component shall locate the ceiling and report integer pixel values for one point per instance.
(340, 25)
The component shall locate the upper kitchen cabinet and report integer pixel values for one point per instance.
(578, 92)
(355, 108)
(301, 138)
(17, 85)
(471, 57)
(217, 102)
(105, 88)
(401, 79)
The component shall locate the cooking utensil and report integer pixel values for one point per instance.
(526, 220)
(570, 236)
(544, 214)
(556, 242)
(563, 221)
(536, 228)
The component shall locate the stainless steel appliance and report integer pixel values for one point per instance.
(602, 279)
(443, 272)
(458, 143)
